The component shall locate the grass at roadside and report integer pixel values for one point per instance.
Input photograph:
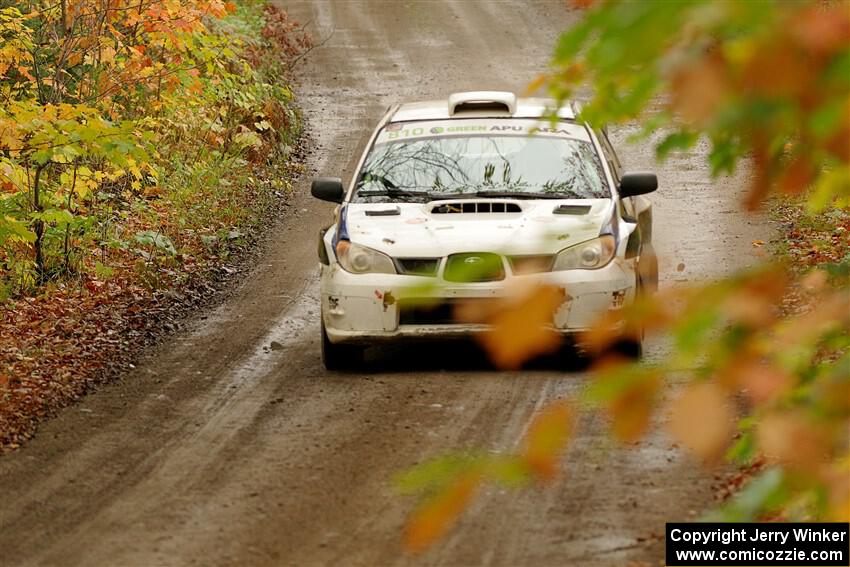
(125, 257)
(812, 240)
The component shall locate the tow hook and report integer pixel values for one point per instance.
(334, 308)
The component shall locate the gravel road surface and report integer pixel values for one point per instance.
(231, 445)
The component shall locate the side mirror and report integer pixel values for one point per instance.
(328, 189)
(639, 183)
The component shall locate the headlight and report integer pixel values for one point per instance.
(588, 255)
(359, 259)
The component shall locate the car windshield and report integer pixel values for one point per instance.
(491, 166)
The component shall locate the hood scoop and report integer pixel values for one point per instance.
(572, 210)
(461, 207)
(394, 211)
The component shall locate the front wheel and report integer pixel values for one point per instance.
(630, 348)
(340, 357)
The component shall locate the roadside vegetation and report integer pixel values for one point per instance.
(766, 351)
(142, 144)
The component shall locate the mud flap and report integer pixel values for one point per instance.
(323, 252)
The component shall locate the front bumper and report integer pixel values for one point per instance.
(368, 308)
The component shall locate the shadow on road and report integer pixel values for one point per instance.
(465, 355)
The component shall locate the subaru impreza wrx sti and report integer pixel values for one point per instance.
(454, 199)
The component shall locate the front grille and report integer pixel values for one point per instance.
(476, 207)
(424, 312)
(474, 267)
(431, 312)
(418, 266)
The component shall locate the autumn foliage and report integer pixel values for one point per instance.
(114, 116)
(141, 144)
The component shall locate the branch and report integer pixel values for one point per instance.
(311, 48)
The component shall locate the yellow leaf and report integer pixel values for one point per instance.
(434, 518)
(547, 438)
(838, 487)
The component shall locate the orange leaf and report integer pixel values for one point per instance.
(521, 326)
(764, 383)
(547, 439)
(797, 175)
(760, 184)
(536, 84)
(791, 439)
(702, 420)
(435, 517)
(778, 69)
(822, 29)
(699, 89)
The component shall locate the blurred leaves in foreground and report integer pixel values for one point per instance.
(769, 80)
(766, 352)
(448, 484)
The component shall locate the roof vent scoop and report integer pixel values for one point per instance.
(482, 101)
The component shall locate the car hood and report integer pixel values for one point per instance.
(415, 230)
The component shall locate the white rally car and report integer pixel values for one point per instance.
(454, 198)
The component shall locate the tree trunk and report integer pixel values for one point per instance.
(38, 226)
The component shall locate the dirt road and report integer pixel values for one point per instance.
(232, 446)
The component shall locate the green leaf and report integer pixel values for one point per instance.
(157, 240)
(58, 216)
(435, 473)
(830, 185)
(13, 229)
(681, 140)
(103, 272)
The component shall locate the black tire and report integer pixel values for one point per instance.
(628, 348)
(340, 357)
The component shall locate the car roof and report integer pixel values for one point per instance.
(481, 104)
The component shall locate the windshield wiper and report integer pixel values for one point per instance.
(513, 195)
(396, 193)
(390, 189)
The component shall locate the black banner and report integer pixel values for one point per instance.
(762, 544)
